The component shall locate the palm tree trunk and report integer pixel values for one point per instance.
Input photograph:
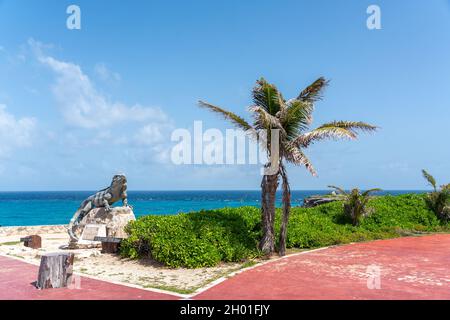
(286, 210)
(269, 185)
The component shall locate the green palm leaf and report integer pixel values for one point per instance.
(338, 189)
(334, 130)
(430, 179)
(266, 96)
(314, 91)
(235, 119)
(297, 117)
(264, 120)
(368, 192)
(295, 156)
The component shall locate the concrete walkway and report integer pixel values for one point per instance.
(404, 268)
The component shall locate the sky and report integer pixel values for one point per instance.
(78, 106)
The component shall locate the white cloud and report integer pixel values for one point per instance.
(149, 135)
(96, 120)
(14, 132)
(103, 72)
(82, 105)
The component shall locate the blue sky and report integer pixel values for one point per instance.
(141, 66)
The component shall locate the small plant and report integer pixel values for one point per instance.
(439, 199)
(355, 203)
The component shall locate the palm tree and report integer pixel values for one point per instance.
(439, 199)
(355, 205)
(292, 118)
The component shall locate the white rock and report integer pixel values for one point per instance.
(115, 220)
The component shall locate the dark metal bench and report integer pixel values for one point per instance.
(109, 244)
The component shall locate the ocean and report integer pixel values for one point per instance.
(50, 208)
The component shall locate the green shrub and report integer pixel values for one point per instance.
(195, 239)
(408, 212)
(206, 238)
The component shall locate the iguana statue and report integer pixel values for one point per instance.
(103, 198)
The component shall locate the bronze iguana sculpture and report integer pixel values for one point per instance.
(103, 198)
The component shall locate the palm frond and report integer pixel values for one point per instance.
(235, 119)
(295, 156)
(264, 120)
(353, 126)
(334, 130)
(314, 91)
(338, 189)
(266, 96)
(430, 179)
(368, 192)
(283, 108)
(297, 118)
(308, 138)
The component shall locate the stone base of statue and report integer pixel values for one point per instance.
(100, 223)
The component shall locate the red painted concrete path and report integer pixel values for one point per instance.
(16, 278)
(409, 268)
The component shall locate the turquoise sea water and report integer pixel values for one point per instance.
(47, 208)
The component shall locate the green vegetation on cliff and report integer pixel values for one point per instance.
(206, 238)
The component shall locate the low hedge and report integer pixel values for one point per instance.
(195, 239)
(205, 238)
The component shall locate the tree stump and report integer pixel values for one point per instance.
(55, 271)
(34, 241)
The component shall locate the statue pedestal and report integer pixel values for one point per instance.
(99, 223)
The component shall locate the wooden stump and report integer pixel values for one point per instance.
(55, 270)
(33, 241)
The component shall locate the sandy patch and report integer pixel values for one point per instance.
(144, 273)
(29, 230)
